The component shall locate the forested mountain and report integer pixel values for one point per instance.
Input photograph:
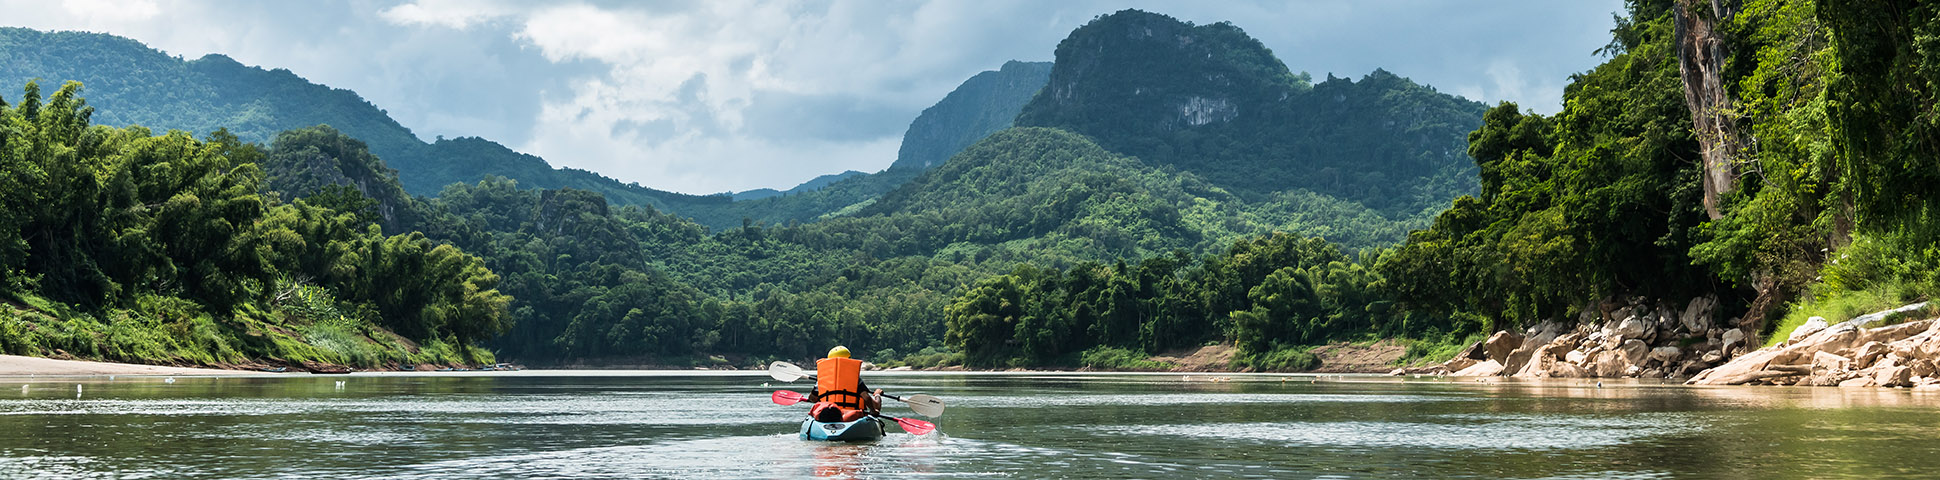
(1211, 100)
(982, 105)
(136, 85)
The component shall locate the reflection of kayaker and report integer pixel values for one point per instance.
(845, 409)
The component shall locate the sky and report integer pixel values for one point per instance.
(728, 95)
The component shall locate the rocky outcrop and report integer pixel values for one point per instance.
(1864, 352)
(1638, 339)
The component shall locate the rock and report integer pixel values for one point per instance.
(1565, 370)
(1811, 326)
(1921, 367)
(1712, 358)
(1499, 346)
(1732, 337)
(1697, 314)
(1576, 357)
(1826, 362)
(1632, 371)
(1894, 333)
(1894, 377)
(1608, 364)
(1865, 355)
(1666, 355)
(1488, 368)
(1459, 363)
(1632, 328)
(1635, 352)
(1652, 373)
(1869, 319)
(1858, 382)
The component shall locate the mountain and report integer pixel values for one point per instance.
(130, 83)
(1211, 100)
(982, 105)
(986, 103)
(811, 185)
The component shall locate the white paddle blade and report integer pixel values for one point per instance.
(785, 371)
(925, 405)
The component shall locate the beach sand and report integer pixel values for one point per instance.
(18, 366)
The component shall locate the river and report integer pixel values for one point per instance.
(539, 424)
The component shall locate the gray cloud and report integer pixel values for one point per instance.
(708, 96)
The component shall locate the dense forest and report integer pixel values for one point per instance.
(124, 245)
(1146, 203)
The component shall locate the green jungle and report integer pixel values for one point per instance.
(1138, 195)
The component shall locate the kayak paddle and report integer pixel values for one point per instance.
(911, 425)
(925, 405)
(784, 397)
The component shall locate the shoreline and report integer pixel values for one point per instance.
(20, 366)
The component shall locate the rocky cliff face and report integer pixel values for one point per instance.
(1637, 340)
(1644, 342)
(982, 105)
(1869, 351)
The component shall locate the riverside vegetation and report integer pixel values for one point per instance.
(1161, 194)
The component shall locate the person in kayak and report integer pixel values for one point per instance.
(839, 392)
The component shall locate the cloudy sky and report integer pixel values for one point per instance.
(725, 95)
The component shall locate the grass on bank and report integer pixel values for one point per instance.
(162, 330)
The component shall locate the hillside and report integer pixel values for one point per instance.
(132, 84)
(982, 105)
(1211, 100)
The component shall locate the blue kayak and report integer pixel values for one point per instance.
(861, 430)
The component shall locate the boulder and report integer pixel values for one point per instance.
(1459, 363)
(1608, 364)
(1632, 328)
(1894, 333)
(1712, 357)
(1633, 371)
(1894, 377)
(1697, 314)
(1498, 347)
(1859, 382)
(1869, 319)
(1565, 370)
(1635, 352)
(1487, 368)
(1826, 362)
(1666, 355)
(1921, 368)
(1576, 356)
(1865, 355)
(1732, 337)
(1811, 326)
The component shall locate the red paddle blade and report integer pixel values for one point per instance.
(915, 427)
(784, 397)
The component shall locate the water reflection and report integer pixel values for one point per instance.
(722, 426)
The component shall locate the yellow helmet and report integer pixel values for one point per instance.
(839, 352)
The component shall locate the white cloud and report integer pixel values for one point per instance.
(107, 12)
(458, 14)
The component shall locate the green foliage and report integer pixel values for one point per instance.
(1121, 359)
(1281, 359)
(1601, 199)
(161, 249)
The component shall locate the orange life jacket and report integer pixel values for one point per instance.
(839, 381)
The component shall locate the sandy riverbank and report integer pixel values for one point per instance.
(18, 366)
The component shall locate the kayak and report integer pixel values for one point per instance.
(861, 430)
